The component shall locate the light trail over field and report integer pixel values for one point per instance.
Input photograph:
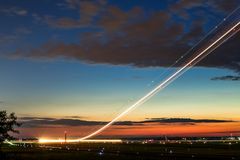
(77, 140)
(221, 34)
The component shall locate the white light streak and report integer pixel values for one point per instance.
(77, 140)
(8, 142)
(171, 78)
(198, 56)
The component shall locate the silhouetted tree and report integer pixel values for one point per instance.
(7, 125)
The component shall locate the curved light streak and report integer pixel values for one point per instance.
(8, 142)
(171, 78)
(199, 55)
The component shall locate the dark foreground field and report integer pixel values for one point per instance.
(93, 151)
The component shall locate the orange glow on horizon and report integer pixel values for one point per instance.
(200, 129)
(212, 129)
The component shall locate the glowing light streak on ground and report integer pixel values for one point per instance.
(8, 142)
(166, 82)
(77, 140)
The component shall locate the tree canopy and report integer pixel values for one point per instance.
(7, 125)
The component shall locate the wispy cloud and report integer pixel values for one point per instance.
(17, 34)
(184, 120)
(45, 121)
(227, 78)
(14, 11)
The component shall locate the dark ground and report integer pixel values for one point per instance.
(101, 151)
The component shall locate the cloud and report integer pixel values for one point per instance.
(14, 11)
(43, 122)
(186, 4)
(74, 117)
(227, 78)
(141, 48)
(109, 18)
(53, 122)
(17, 34)
(35, 118)
(225, 5)
(114, 18)
(133, 37)
(182, 7)
(64, 22)
(5, 39)
(184, 120)
(87, 10)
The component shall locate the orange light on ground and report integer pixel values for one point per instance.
(42, 140)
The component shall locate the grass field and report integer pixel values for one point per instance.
(106, 151)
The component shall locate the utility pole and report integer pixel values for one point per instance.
(65, 136)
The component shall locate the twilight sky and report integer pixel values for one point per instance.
(75, 64)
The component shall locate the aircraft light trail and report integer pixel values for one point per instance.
(199, 54)
(8, 142)
(166, 82)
